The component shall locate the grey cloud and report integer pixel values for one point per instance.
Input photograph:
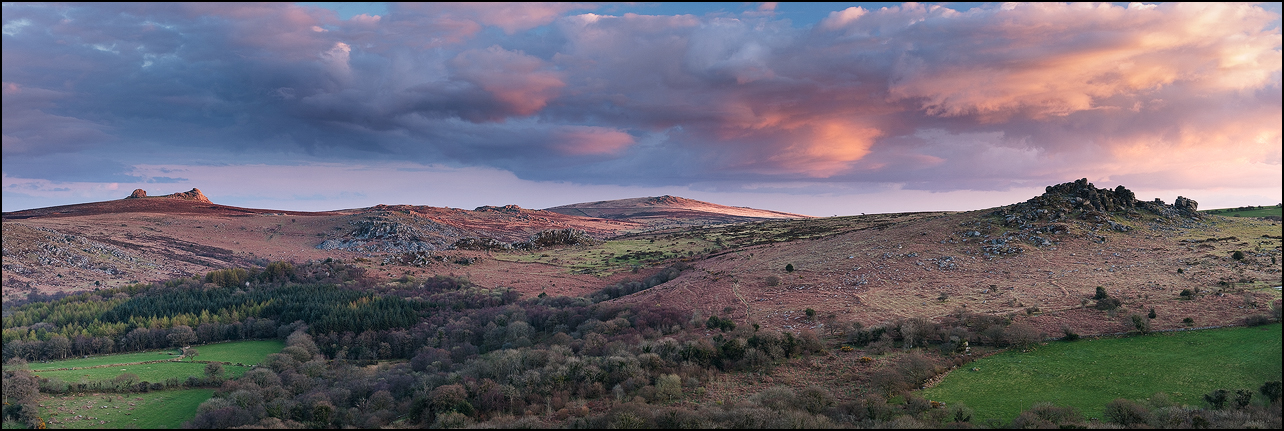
(921, 95)
(69, 168)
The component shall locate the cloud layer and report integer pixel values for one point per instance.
(925, 97)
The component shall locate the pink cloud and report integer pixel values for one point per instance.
(524, 84)
(826, 148)
(922, 95)
(515, 17)
(1053, 59)
(432, 24)
(585, 140)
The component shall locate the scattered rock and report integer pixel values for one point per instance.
(554, 237)
(1080, 199)
(483, 243)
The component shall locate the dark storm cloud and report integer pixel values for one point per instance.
(926, 96)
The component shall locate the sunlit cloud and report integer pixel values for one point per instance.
(915, 97)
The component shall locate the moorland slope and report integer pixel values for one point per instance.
(1042, 259)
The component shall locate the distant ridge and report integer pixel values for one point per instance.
(658, 211)
(177, 203)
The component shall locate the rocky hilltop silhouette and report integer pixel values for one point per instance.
(191, 195)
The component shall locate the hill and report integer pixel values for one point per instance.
(552, 319)
(1042, 259)
(152, 238)
(670, 211)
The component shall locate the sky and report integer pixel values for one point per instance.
(819, 109)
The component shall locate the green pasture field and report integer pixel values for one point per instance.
(160, 409)
(157, 372)
(1259, 212)
(94, 361)
(248, 352)
(1089, 373)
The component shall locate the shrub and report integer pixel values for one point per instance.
(668, 387)
(1101, 294)
(1257, 320)
(452, 420)
(1048, 415)
(811, 314)
(960, 413)
(1238, 255)
(1188, 321)
(777, 398)
(1141, 323)
(789, 267)
(888, 382)
(214, 369)
(1271, 390)
(1242, 398)
(1108, 303)
(1187, 294)
(1127, 413)
(1070, 334)
(679, 418)
(716, 322)
(448, 398)
(1152, 314)
(815, 399)
(1216, 399)
(1022, 335)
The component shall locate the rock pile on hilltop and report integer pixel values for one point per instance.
(1041, 220)
(190, 195)
(666, 200)
(1080, 199)
(508, 209)
(384, 232)
(554, 237)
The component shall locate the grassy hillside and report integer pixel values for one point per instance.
(1089, 373)
(154, 410)
(156, 372)
(1258, 211)
(238, 352)
(95, 361)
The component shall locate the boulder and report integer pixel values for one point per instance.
(1187, 207)
(555, 237)
(190, 195)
